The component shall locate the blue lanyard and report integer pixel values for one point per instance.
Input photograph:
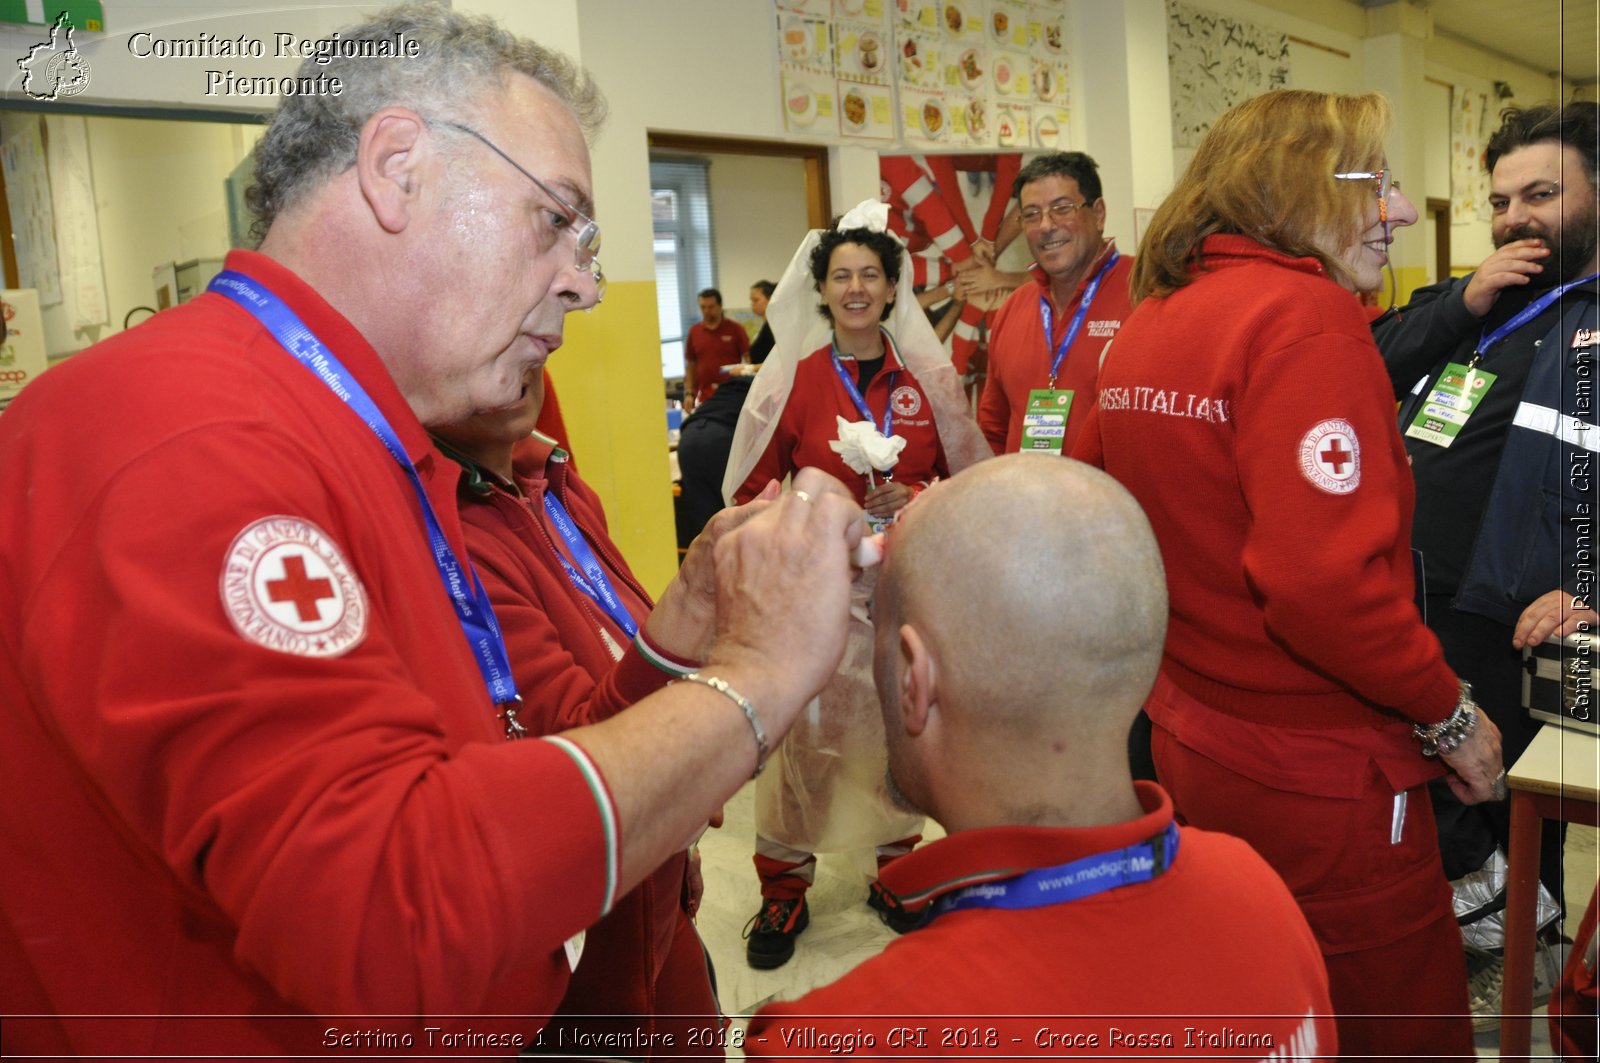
(1526, 314)
(1070, 882)
(855, 392)
(596, 585)
(472, 606)
(1077, 318)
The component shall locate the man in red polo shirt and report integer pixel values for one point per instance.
(1049, 336)
(1069, 910)
(712, 343)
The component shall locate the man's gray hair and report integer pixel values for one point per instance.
(461, 60)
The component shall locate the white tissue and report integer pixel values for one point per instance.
(868, 552)
(862, 447)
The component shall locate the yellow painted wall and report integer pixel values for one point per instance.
(1408, 279)
(608, 378)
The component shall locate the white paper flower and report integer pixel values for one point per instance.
(862, 447)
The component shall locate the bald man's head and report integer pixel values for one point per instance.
(1036, 586)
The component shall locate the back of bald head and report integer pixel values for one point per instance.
(1039, 587)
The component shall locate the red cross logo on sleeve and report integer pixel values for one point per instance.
(1330, 456)
(1336, 455)
(297, 587)
(286, 585)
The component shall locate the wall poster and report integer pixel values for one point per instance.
(1215, 62)
(936, 74)
(1469, 136)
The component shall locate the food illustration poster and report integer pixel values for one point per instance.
(806, 66)
(866, 64)
(1008, 24)
(1045, 86)
(1046, 34)
(864, 53)
(921, 59)
(1011, 74)
(963, 19)
(1050, 127)
(953, 74)
(872, 10)
(917, 16)
(924, 118)
(966, 73)
(1469, 134)
(974, 121)
(1013, 125)
(967, 87)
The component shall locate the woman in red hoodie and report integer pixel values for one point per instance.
(1302, 705)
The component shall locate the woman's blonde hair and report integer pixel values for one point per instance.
(1265, 170)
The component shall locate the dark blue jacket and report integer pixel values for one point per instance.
(1538, 529)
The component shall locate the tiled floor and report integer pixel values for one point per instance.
(844, 931)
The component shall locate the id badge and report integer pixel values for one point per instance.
(1449, 404)
(1044, 425)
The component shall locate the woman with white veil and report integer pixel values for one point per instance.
(866, 392)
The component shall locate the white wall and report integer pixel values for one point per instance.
(690, 66)
(758, 214)
(158, 187)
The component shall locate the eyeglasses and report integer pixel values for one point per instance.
(1386, 184)
(1060, 210)
(587, 251)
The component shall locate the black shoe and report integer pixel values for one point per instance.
(895, 916)
(772, 930)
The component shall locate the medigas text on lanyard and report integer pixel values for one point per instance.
(592, 581)
(1072, 881)
(467, 596)
(1044, 425)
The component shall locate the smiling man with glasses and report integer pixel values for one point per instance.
(1501, 468)
(1047, 339)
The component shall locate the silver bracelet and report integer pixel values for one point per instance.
(721, 687)
(1448, 734)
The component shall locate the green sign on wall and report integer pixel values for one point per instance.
(83, 14)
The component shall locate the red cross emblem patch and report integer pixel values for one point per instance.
(905, 401)
(286, 586)
(1330, 457)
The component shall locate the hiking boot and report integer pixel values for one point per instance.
(771, 932)
(895, 916)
